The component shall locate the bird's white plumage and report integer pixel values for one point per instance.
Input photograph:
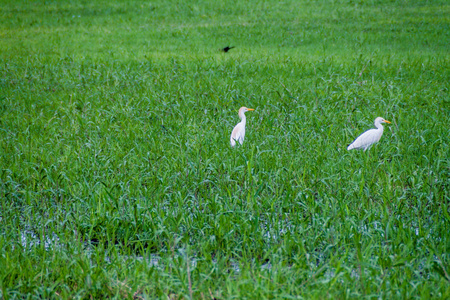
(238, 132)
(370, 137)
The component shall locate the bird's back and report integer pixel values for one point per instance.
(366, 139)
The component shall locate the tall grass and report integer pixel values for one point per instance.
(117, 178)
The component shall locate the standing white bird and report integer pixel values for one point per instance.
(238, 132)
(370, 137)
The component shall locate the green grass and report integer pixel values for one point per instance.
(117, 178)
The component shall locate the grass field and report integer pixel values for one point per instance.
(118, 180)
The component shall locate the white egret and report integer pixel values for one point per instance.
(370, 137)
(238, 132)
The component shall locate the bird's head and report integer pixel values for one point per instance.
(243, 110)
(380, 120)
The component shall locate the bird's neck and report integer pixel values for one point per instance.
(243, 119)
(379, 126)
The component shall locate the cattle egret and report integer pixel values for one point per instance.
(370, 137)
(238, 132)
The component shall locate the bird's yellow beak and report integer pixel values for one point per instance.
(386, 121)
(250, 109)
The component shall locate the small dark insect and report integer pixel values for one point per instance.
(226, 49)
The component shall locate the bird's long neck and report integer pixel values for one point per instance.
(379, 126)
(242, 116)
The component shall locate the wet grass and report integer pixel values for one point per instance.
(117, 179)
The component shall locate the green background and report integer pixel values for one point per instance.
(117, 178)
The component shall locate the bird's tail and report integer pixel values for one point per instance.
(350, 147)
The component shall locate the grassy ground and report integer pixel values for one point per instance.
(117, 178)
